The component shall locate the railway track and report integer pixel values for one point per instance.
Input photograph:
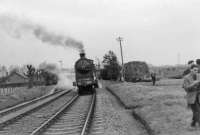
(73, 118)
(12, 113)
(24, 119)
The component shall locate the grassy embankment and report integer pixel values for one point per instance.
(163, 106)
(23, 94)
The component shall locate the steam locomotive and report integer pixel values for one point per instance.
(85, 75)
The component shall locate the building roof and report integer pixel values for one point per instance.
(19, 74)
(4, 79)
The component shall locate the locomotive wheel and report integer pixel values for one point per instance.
(86, 90)
(80, 90)
(96, 85)
(91, 89)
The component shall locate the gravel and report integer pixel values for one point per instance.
(113, 119)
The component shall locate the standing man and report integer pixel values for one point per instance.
(198, 64)
(191, 86)
(153, 77)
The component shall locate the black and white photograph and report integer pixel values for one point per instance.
(99, 67)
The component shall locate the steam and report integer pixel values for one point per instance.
(63, 81)
(17, 28)
(50, 67)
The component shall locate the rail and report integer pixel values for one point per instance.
(89, 116)
(62, 111)
(54, 117)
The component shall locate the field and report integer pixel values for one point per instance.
(11, 97)
(163, 106)
(23, 94)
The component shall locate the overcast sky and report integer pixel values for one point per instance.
(155, 31)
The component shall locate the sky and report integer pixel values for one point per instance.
(159, 32)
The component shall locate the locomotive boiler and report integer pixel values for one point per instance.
(85, 75)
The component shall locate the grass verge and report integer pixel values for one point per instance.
(161, 107)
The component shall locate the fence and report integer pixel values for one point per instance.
(11, 88)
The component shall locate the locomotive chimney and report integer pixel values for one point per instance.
(82, 54)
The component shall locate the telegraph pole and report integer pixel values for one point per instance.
(120, 39)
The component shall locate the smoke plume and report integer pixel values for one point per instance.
(17, 28)
(63, 81)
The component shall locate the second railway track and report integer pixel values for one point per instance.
(35, 117)
(73, 119)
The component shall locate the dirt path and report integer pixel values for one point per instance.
(115, 119)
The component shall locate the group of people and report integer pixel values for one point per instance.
(191, 84)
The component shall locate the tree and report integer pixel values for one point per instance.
(49, 77)
(112, 68)
(30, 74)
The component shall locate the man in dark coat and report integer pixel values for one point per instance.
(187, 71)
(191, 86)
(198, 64)
(153, 77)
